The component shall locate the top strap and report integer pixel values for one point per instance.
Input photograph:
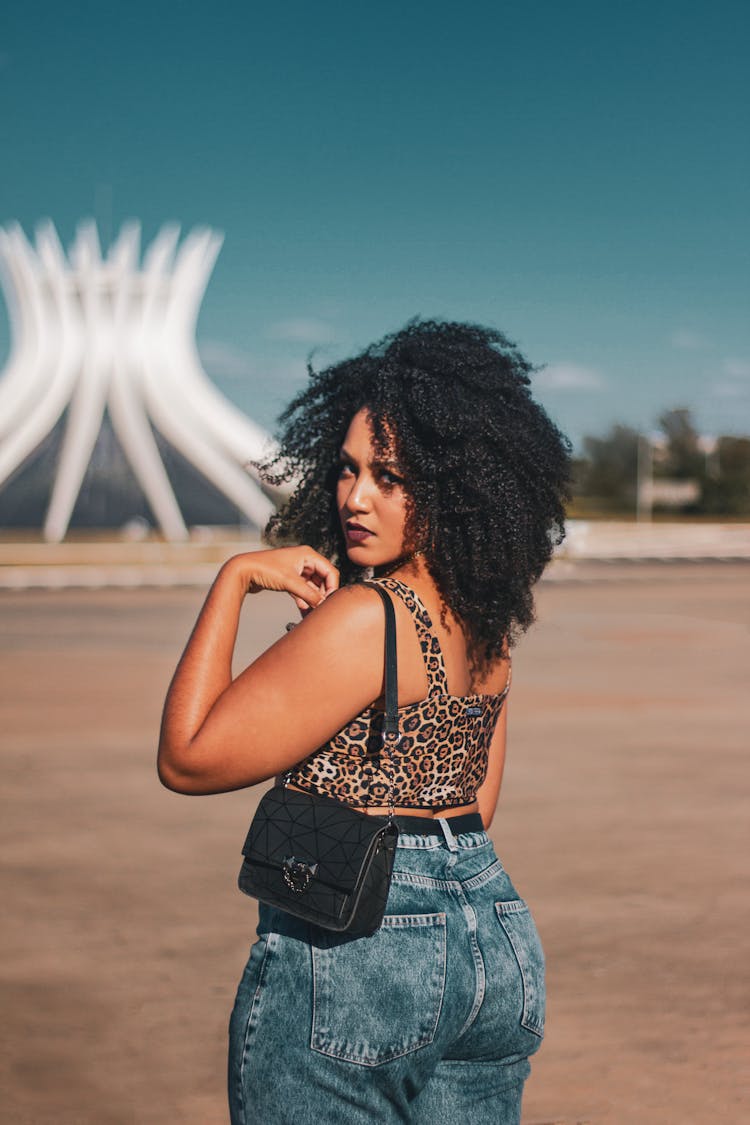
(437, 679)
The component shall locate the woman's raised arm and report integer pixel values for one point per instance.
(219, 734)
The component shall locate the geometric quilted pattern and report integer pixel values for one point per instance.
(353, 853)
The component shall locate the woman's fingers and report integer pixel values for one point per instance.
(321, 578)
(300, 571)
(306, 594)
(317, 569)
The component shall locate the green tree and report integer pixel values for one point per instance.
(683, 458)
(611, 467)
(727, 492)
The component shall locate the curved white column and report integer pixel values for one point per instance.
(129, 419)
(87, 402)
(26, 374)
(17, 385)
(245, 440)
(52, 361)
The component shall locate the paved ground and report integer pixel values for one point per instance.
(623, 820)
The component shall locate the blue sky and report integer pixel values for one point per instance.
(575, 174)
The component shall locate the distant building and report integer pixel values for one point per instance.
(106, 414)
(668, 493)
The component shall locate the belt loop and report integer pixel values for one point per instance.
(450, 839)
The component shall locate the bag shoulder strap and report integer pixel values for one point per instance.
(390, 720)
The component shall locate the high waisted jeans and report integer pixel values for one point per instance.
(431, 1019)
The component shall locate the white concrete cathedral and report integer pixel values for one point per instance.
(94, 336)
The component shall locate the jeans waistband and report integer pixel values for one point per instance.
(426, 825)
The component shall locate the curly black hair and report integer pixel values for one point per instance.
(487, 472)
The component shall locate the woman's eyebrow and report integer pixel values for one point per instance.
(385, 464)
(345, 455)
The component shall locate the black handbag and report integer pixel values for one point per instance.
(319, 859)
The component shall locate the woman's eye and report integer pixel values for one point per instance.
(390, 478)
(345, 468)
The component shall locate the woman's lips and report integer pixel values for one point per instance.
(355, 533)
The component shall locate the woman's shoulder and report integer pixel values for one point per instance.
(356, 609)
(356, 597)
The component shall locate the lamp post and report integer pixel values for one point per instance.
(709, 447)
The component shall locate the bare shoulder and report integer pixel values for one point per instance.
(355, 605)
(350, 619)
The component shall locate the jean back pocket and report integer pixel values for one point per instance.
(518, 924)
(377, 998)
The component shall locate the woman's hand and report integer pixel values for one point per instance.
(299, 571)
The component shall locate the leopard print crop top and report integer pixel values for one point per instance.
(441, 759)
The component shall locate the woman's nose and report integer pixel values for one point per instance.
(358, 499)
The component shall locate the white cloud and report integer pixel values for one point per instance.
(569, 377)
(730, 390)
(303, 330)
(737, 368)
(225, 361)
(685, 340)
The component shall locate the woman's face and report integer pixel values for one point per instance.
(371, 498)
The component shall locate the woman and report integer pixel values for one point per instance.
(424, 463)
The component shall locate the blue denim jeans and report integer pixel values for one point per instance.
(431, 1019)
